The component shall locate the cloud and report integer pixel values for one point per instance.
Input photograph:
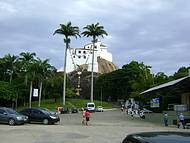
(153, 31)
(6, 7)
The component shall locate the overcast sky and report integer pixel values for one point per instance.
(156, 32)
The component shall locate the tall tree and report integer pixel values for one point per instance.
(160, 78)
(33, 68)
(10, 62)
(127, 82)
(67, 30)
(26, 61)
(2, 69)
(182, 72)
(94, 31)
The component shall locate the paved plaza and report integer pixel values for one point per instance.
(106, 127)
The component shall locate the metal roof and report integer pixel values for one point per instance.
(165, 85)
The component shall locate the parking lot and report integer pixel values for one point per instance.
(109, 126)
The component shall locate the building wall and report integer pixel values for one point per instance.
(81, 56)
(185, 99)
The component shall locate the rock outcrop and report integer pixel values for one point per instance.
(104, 66)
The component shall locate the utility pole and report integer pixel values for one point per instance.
(101, 96)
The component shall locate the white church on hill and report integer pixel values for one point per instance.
(83, 56)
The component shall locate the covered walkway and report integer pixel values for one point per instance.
(179, 87)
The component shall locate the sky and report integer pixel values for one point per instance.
(155, 32)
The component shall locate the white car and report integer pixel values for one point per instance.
(90, 106)
(99, 109)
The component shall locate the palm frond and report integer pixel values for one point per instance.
(68, 30)
(94, 30)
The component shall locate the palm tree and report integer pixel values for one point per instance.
(26, 58)
(67, 30)
(94, 31)
(10, 62)
(2, 69)
(45, 70)
(33, 68)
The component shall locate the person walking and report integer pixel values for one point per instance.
(166, 119)
(181, 120)
(83, 116)
(87, 117)
(132, 114)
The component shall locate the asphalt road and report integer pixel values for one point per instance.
(106, 127)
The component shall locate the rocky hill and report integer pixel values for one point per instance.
(104, 66)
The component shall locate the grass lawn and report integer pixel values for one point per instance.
(79, 103)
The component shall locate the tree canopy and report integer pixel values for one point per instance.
(131, 80)
(17, 71)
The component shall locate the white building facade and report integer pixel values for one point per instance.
(83, 56)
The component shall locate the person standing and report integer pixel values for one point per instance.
(87, 116)
(142, 115)
(181, 120)
(165, 119)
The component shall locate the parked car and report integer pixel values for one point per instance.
(40, 115)
(146, 110)
(10, 116)
(158, 137)
(186, 122)
(64, 110)
(74, 110)
(52, 112)
(99, 109)
(171, 107)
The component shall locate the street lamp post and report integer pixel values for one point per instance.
(78, 89)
